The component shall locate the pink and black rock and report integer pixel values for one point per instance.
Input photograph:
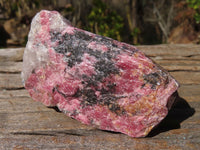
(97, 80)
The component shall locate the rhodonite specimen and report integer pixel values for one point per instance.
(97, 80)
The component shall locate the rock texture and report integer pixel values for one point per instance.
(94, 79)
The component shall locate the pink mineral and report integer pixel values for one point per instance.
(94, 79)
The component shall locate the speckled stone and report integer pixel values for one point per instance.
(97, 80)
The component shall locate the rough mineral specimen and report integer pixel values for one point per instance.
(94, 79)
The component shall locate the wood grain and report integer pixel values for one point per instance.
(26, 124)
(10, 67)
(10, 81)
(187, 77)
(171, 50)
(11, 54)
(20, 93)
(190, 92)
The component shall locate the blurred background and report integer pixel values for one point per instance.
(138, 22)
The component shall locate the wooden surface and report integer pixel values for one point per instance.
(29, 125)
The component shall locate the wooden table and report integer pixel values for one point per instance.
(29, 125)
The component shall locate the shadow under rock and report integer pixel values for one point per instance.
(179, 112)
(55, 108)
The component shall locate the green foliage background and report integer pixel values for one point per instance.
(97, 16)
(195, 4)
(104, 21)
